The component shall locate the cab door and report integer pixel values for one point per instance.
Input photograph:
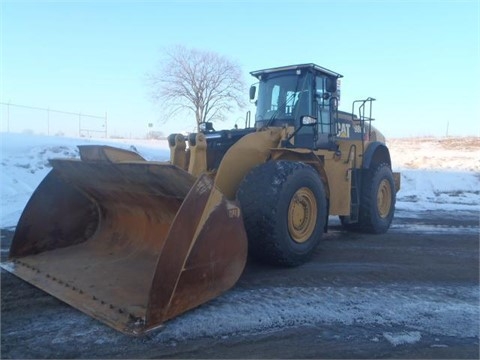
(326, 106)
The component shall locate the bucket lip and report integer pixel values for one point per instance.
(79, 299)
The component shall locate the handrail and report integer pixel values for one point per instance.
(362, 118)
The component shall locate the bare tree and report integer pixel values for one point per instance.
(204, 82)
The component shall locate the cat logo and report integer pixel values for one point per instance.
(343, 130)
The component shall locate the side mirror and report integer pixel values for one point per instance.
(307, 120)
(253, 90)
(331, 85)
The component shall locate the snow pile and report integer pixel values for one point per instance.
(437, 174)
(24, 164)
(435, 189)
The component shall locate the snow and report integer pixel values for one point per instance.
(24, 164)
(439, 189)
(414, 311)
(407, 337)
(436, 173)
(455, 154)
(261, 310)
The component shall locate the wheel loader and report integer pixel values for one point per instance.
(134, 243)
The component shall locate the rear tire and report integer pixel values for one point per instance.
(377, 203)
(284, 211)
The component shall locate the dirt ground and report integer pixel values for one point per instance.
(410, 293)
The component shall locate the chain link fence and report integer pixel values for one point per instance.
(36, 120)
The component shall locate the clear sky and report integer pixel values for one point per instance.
(419, 59)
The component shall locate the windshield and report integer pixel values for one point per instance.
(284, 97)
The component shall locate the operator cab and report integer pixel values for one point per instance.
(303, 96)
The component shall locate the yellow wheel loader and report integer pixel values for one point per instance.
(134, 243)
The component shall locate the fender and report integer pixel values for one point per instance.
(308, 157)
(251, 150)
(376, 153)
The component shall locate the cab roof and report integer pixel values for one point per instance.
(312, 66)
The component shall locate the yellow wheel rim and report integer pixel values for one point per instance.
(384, 198)
(302, 215)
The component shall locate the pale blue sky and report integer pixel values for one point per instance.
(419, 59)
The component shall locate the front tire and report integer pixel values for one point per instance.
(284, 210)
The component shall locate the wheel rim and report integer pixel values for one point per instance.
(302, 215)
(384, 198)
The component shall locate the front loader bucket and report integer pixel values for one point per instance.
(131, 243)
